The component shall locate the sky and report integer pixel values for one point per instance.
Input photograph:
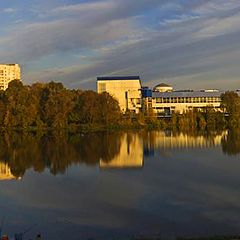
(189, 44)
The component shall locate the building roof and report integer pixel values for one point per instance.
(185, 94)
(9, 64)
(162, 85)
(118, 78)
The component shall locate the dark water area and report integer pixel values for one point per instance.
(116, 185)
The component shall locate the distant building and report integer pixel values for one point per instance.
(162, 87)
(165, 103)
(163, 100)
(9, 72)
(125, 89)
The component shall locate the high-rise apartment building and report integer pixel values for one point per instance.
(9, 72)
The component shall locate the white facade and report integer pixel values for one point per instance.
(126, 90)
(9, 72)
(167, 103)
(162, 100)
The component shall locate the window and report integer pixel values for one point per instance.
(159, 100)
(166, 100)
(181, 100)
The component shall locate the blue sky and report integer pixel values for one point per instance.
(186, 43)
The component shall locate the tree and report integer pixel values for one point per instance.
(109, 109)
(210, 116)
(21, 108)
(56, 105)
(231, 106)
(86, 109)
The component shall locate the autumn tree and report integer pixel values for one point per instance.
(87, 109)
(231, 106)
(56, 105)
(20, 105)
(109, 109)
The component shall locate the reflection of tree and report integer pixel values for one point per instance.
(231, 142)
(96, 146)
(15, 148)
(55, 150)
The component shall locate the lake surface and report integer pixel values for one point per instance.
(121, 184)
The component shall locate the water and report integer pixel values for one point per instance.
(118, 185)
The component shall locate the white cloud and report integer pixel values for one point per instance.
(83, 7)
(33, 41)
(122, 40)
(216, 7)
(219, 26)
(9, 10)
(179, 19)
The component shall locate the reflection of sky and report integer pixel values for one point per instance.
(185, 192)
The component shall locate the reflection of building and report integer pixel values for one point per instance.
(135, 146)
(9, 72)
(127, 90)
(130, 154)
(5, 172)
(158, 139)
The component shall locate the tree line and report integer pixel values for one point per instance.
(44, 105)
(51, 105)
